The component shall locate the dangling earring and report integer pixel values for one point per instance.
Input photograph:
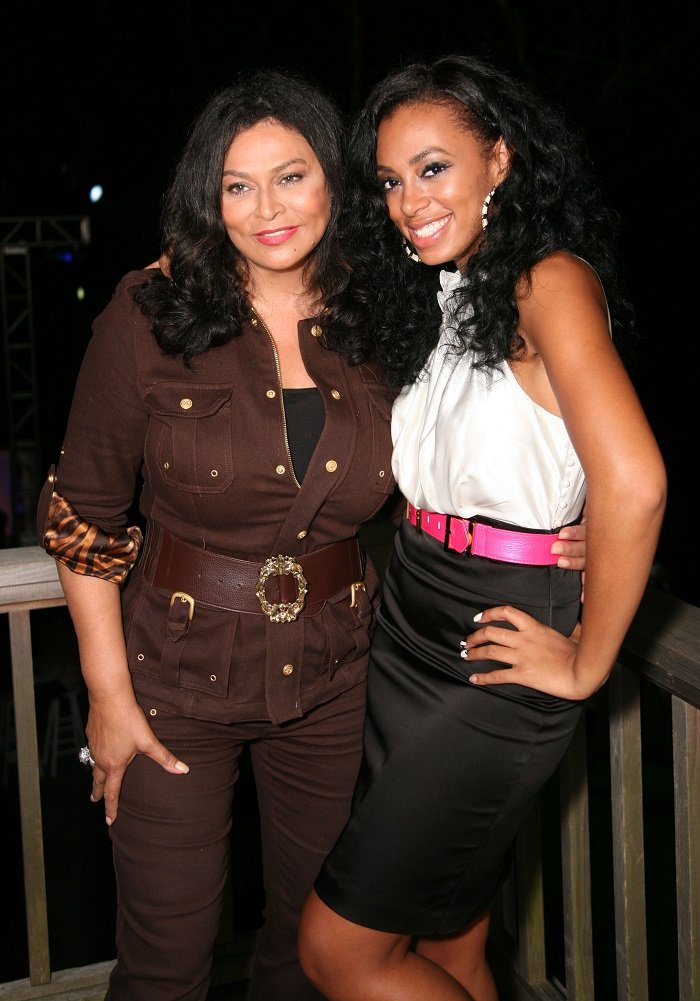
(485, 208)
(410, 251)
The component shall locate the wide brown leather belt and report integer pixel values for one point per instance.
(282, 587)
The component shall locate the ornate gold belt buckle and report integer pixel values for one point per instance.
(279, 566)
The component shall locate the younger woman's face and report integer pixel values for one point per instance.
(275, 202)
(435, 176)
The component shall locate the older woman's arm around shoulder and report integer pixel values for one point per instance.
(564, 323)
(117, 729)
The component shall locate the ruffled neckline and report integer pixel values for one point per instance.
(450, 281)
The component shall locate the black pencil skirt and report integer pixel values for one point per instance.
(449, 770)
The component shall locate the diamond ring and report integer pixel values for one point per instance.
(85, 757)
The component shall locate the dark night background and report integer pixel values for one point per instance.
(104, 93)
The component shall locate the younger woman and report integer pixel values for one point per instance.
(507, 421)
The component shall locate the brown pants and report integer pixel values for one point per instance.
(171, 846)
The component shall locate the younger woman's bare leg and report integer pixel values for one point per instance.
(347, 961)
(463, 955)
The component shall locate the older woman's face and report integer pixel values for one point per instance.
(275, 202)
(435, 176)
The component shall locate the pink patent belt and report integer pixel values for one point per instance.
(462, 535)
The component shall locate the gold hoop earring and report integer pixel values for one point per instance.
(408, 247)
(485, 208)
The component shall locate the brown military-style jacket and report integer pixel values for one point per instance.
(209, 446)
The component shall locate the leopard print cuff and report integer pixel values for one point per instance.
(86, 548)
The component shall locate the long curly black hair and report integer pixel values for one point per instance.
(549, 201)
(202, 302)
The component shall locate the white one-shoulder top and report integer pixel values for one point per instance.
(469, 442)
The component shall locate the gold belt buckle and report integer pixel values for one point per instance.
(185, 598)
(279, 566)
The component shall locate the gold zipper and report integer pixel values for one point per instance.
(257, 318)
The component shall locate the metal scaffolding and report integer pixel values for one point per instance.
(18, 236)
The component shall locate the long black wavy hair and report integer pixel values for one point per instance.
(202, 302)
(549, 201)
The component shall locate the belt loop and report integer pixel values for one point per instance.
(419, 516)
(448, 526)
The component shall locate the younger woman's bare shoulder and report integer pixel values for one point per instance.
(562, 271)
(561, 277)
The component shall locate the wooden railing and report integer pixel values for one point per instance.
(660, 656)
(544, 940)
(28, 582)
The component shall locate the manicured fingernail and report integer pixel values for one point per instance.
(464, 655)
(108, 821)
(477, 617)
(474, 678)
(182, 767)
(462, 642)
(563, 563)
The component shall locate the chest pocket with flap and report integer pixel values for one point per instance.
(189, 438)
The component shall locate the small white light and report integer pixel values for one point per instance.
(80, 293)
(96, 192)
